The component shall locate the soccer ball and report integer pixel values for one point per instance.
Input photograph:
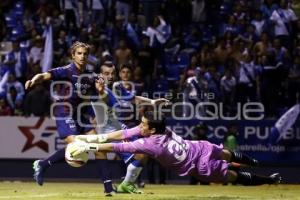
(75, 161)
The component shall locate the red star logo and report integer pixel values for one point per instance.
(30, 136)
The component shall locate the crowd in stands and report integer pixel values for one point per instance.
(238, 51)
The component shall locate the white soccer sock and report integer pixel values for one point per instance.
(132, 173)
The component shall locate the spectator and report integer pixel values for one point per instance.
(259, 23)
(123, 8)
(93, 61)
(198, 11)
(17, 85)
(228, 89)
(150, 9)
(238, 24)
(230, 140)
(14, 101)
(190, 71)
(283, 19)
(270, 79)
(200, 132)
(36, 53)
(60, 48)
(17, 61)
(139, 81)
(159, 32)
(262, 46)
(123, 55)
(133, 29)
(238, 11)
(5, 110)
(249, 36)
(27, 20)
(96, 12)
(192, 41)
(71, 10)
(213, 79)
(267, 8)
(222, 52)
(281, 52)
(57, 20)
(19, 109)
(248, 79)
(126, 78)
(195, 88)
(147, 61)
(118, 31)
(34, 69)
(238, 49)
(294, 81)
(230, 26)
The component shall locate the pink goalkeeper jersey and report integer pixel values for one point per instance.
(171, 151)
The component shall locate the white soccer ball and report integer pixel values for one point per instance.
(75, 161)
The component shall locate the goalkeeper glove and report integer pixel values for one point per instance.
(92, 138)
(82, 147)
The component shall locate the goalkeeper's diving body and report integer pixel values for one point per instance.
(200, 159)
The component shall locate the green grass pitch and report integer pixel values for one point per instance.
(93, 191)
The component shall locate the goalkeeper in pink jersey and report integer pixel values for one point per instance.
(200, 159)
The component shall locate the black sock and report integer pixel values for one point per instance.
(242, 159)
(105, 174)
(56, 157)
(246, 178)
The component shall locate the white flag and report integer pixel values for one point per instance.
(48, 49)
(288, 119)
(3, 81)
(284, 123)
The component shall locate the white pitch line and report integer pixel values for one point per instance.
(29, 196)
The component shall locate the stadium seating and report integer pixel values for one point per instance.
(183, 60)
(160, 86)
(173, 72)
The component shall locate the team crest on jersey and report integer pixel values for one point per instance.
(82, 86)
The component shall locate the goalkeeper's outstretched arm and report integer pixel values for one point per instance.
(113, 136)
(101, 138)
(130, 147)
(82, 147)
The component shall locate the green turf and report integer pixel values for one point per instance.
(93, 191)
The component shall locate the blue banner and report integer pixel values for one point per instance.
(254, 138)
